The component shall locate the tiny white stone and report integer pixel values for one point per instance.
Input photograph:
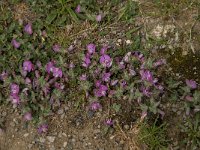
(128, 42)
(26, 134)
(64, 144)
(51, 138)
(119, 40)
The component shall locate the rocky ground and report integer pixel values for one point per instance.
(69, 129)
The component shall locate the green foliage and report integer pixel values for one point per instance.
(153, 136)
(191, 129)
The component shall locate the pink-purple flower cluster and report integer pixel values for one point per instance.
(101, 91)
(14, 94)
(106, 61)
(28, 66)
(43, 128)
(15, 43)
(191, 84)
(28, 29)
(95, 106)
(27, 116)
(57, 72)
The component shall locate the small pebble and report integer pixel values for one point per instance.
(42, 140)
(97, 131)
(64, 144)
(30, 146)
(60, 111)
(51, 138)
(26, 134)
(4, 114)
(73, 140)
(126, 127)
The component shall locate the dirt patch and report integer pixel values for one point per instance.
(72, 130)
(172, 31)
(22, 12)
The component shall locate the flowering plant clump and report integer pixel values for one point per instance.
(38, 74)
(35, 78)
(120, 77)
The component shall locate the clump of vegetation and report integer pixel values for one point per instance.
(39, 72)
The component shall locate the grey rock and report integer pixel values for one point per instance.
(4, 114)
(42, 140)
(97, 131)
(64, 144)
(51, 138)
(30, 146)
(26, 134)
(73, 140)
(90, 114)
(62, 116)
(126, 127)
(60, 111)
(12, 124)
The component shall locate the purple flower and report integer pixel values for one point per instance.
(27, 116)
(57, 72)
(191, 83)
(28, 29)
(109, 122)
(83, 77)
(127, 57)
(56, 48)
(50, 66)
(146, 75)
(91, 48)
(15, 99)
(78, 9)
(15, 44)
(106, 77)
(71, 65)
(95, 106)
(42, 128)
(103, 50)
(59, 86)
(159, 62)
(121, 65)
(189, 98)
(99, 18)
(101, 91)
(86, 62)
(105, 60)
(114, 82)
(123, 83)
(3, 75)
(28, 66)
(46, 90)
(27, 80)
(146, 91)
(14, 89)
(132, 72)
(97, 83)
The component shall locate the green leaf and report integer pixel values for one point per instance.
(72, 14)
(51, 17)
(116, 107)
